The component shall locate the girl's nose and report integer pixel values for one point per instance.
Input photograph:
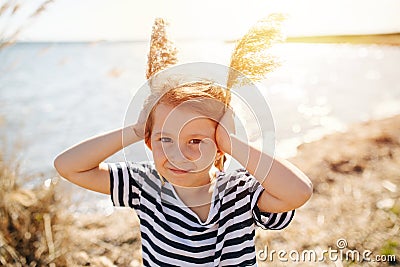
(177, 154)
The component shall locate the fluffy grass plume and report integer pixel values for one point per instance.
(162, 51)
(17, 13)
(251, 55)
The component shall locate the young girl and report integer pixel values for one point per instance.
(191, 212)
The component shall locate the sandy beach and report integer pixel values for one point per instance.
(356, 177)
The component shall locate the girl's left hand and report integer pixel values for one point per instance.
(225, 128)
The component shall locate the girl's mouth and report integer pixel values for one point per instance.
(176, 171)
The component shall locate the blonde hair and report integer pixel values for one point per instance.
(196, 95)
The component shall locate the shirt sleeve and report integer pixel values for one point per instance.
(269, 220)
(265, 220)
(125, 184)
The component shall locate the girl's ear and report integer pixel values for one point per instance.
(220, 160)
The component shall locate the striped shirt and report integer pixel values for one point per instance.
(173, 235)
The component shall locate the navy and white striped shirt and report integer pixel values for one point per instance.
(173, 235)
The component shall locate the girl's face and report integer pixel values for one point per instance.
(183, 145)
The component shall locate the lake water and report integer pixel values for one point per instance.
(55, 95)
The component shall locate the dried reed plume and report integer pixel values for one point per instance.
(251, 57)
(162, 51)
(13, 9)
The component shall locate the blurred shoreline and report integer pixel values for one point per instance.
(356, 177)
(392, 39)
(379, 39)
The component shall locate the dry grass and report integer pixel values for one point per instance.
(33, 226)
(12, 12)
(37, 228)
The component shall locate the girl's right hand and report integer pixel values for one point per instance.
(139, 127)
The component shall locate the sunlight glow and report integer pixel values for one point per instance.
(132, 20)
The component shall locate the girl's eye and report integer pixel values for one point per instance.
(195, 141)
(165, 139)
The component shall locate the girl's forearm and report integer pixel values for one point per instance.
(91, 152)
(280, 179)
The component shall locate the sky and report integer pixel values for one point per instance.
(118, 20)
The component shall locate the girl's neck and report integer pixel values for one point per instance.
(196, 196)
